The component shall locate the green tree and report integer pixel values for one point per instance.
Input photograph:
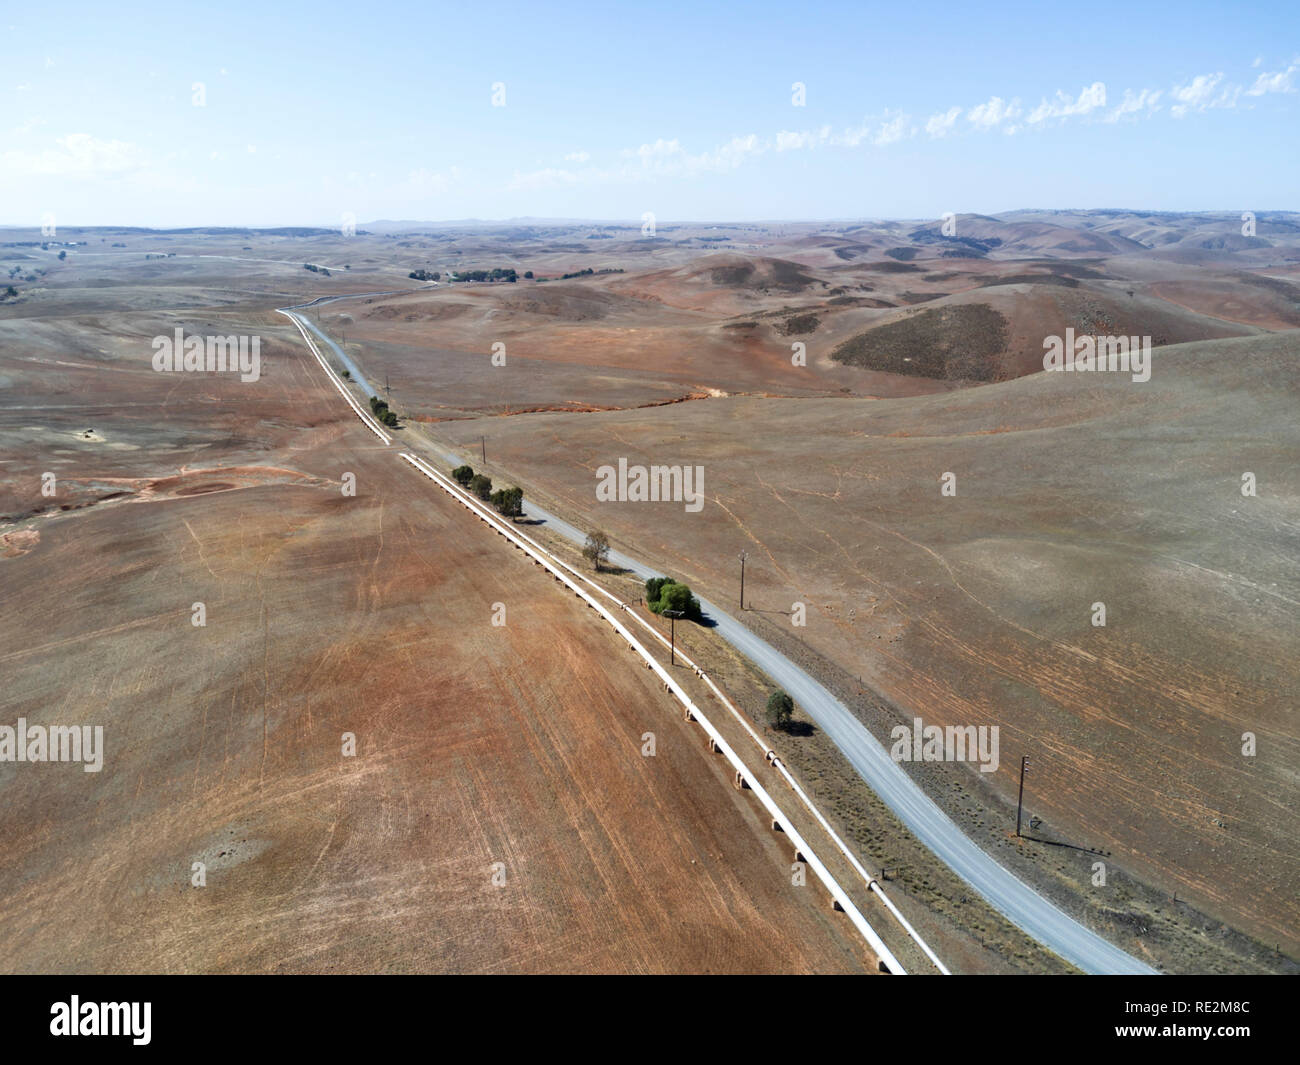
(509, 501)
(652, 587)
(596, 549)
(481, 486)
(678, 597)
(664, 593)
(780, 710)
(463, 475)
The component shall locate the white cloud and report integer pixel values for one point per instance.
(669, 158)
(1135, 104)
(892, 131)
(733, 153)
(76, 155)
(1196, 95)
(940, 125)
(547, 178)
(886, 131)
(853, 136)
(659, 153)
(1089, 99)
(993, 113)
(577, 157)
(789, 141)
(1279, 82)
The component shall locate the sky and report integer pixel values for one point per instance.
(263, 114)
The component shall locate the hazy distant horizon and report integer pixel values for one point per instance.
(1229, 214)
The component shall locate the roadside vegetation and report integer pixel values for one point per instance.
(780, 710)
(664, 593)
(596, 548)
(380, 409)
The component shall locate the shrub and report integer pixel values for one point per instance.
(463, 475)
(481, 486)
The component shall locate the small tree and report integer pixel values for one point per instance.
(481, 486)
(463, 475)
(596, 549)
(780, 710)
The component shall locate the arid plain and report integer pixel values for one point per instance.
(826, 379)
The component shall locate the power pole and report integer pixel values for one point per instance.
(1024, 764)
(387, 391)
(673, 615)
(483, 444)
(742, 556)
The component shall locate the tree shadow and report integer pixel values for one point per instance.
(799, 728)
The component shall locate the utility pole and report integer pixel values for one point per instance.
(1024, 764)
(483, 444)
(672, 616)
(387, 391)
(742, 556)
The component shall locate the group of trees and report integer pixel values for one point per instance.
(507, 501)
(664, 593)
(497, 273)
(381, 411)
(589, 272)
(316, 269)
(424, 275)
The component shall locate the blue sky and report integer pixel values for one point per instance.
(313, 111)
